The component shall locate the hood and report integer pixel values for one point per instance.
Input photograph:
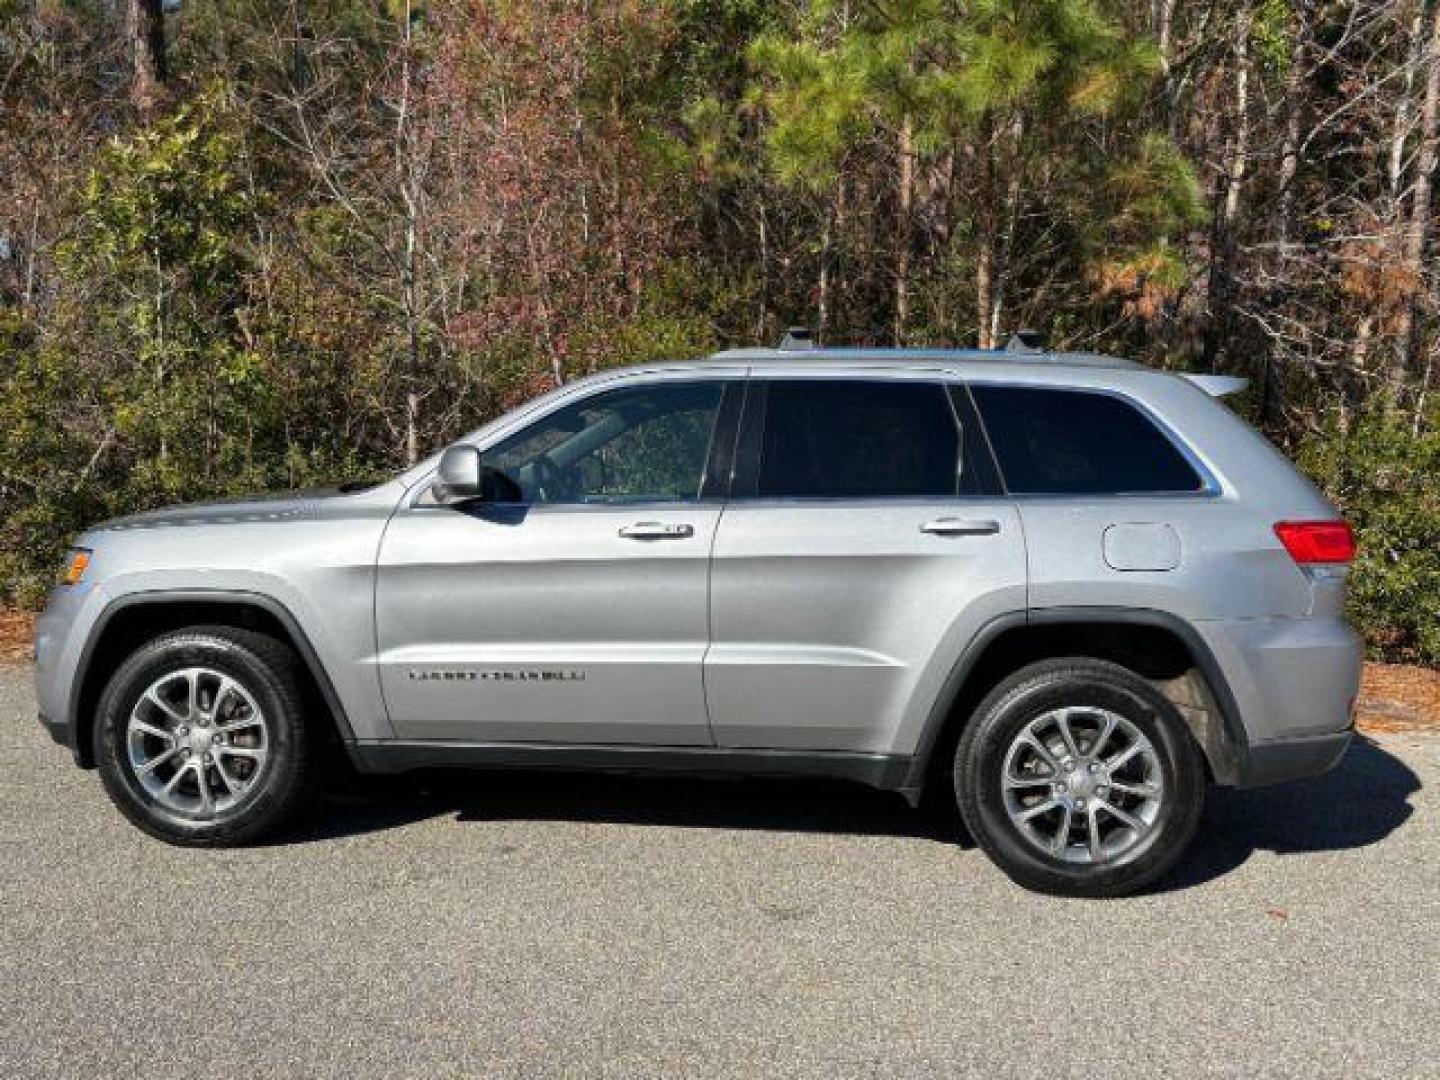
(277, 506)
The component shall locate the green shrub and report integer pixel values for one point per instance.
(1386, 479)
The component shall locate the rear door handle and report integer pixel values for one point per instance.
(953, 526)
(656, 530)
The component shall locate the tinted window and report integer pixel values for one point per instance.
(833, 439)
(1067, 442)
(639, 444)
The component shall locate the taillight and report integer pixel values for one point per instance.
(1317, 541)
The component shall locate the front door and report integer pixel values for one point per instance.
(579, 613)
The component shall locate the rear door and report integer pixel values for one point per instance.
(865, 543)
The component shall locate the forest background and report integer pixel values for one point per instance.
(250, 244)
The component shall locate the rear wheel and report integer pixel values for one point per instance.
(200, 737)
(1078, 777)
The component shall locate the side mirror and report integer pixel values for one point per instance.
(462, 477)
(458, 479)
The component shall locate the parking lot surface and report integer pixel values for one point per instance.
(542, 924)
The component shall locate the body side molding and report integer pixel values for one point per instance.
(883, 771)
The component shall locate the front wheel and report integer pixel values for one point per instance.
(200, 737)
(1079, 778)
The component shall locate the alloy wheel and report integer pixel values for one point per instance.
(1083, 785)
(197, 742)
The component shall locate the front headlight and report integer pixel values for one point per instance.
(75, 566)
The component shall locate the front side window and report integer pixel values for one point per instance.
(635, 444)
(858, 439)
(1077, 442)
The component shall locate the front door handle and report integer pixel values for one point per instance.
(953, 526)
(656, 530)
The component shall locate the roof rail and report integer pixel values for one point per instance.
(798, 339)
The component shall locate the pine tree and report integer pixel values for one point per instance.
(973, 110)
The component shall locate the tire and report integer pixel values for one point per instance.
(252, 758)
(1081, 845)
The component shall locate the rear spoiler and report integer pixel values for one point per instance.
(1218, 385)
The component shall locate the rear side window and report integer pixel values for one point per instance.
(1074, 442)
(858, 439)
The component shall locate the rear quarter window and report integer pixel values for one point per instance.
(1079, 442)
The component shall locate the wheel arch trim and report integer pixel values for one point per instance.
(1235, 738)
(238, 597)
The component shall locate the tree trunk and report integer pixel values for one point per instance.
(1003, 244)
(838, 250)
(984, 292)
(904, 227)
(1417, 233)
(1165, 21)
(1272, 389)
(822, 315)
(1223, 250)
(1164, 44)
(411, 297)
(763, 237)
(1239, 156)
(1400, 131)
(1422, 391)
(1294, 115)
(145, 33)
(32, 253)
(985, 232)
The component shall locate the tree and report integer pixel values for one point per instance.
(1421, 224)
(145, 30)
(267, 243)
(157, 267)
(975, 102)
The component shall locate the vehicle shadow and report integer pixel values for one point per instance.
(1360, 802)
(370, 804)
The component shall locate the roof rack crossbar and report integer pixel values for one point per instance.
(1026, 341)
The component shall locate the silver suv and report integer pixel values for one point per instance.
(1068, 590)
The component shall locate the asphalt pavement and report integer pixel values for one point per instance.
(538, 924)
